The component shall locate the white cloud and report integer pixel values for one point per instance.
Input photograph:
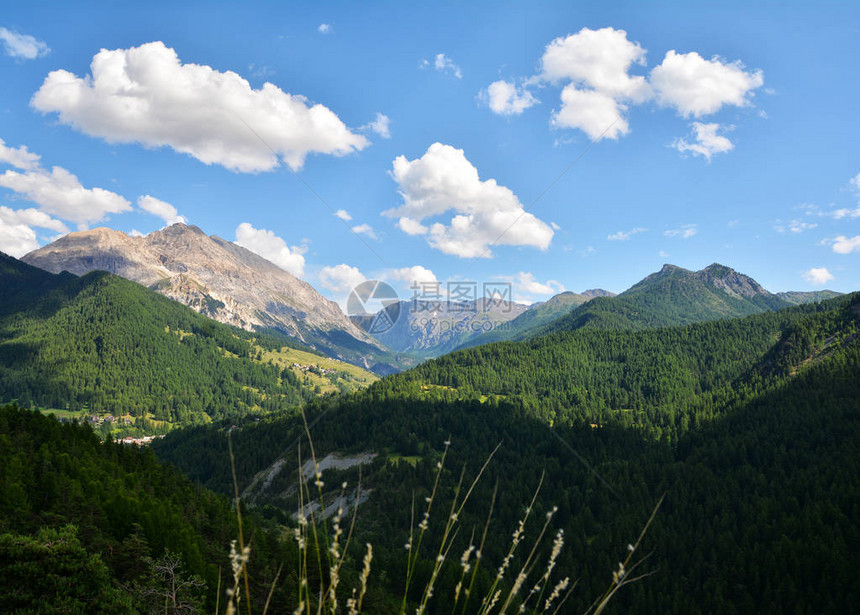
(61, 194)
(598, 88)
(597, 59)
(444, 64)
(22, 46)
(625, 235)
(526, 283)
(17, 236)
(17, 239)
(795, 226)
(855, 182)
(685, 232)
(506, 98)
(846, 245)
(340, 278)
(343, 215)
(485, 212)
(146, 95)
(324, 28)
(136, 233)
(838, 214)
(364, 229)
(707, 142)
(271, 247)
(818, 276)
(411, 227)
(19, 157)
(696, 87)
(596, 63)
(416, 276)
(596, 114)
(161, 209)
(32, 217)
(663, 254)
(380, 125)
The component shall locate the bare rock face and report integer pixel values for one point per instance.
(432, 328)
(217, 278)
(730, 281)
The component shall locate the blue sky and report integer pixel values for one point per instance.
(444, 135)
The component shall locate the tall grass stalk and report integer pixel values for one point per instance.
(312, 537)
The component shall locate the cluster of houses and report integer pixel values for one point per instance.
(95, 419)
(140, 441)
(315, 368)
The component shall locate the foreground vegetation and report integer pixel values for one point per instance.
(761, 483)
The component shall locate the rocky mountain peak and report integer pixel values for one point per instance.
(221, 279)
(730, 281)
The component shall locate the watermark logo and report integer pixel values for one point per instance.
(374, 306)
(436, 308)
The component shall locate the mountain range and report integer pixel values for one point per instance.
(221, 280)
(235, 286)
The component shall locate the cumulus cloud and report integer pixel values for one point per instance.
(324, 28)
(596, 70)
(685, 232)
(485, 213)
(364, 229)
(411, 227)
(625, 235)
(818, 276)
(707, 141)
(599, 60)
(415, 276)
(443, 64)
(340, 278)
(19, 157)
(696, 87)
(343, 215)
(147, 95)
(505, 98)
(17, 239)
(855, 182)
(161, 209)
(271, 247)
(59, 193)
(526, 283)
(597, 65)
(846, 245)
(32, 217)
(22, 46)
(17, 236)
(596, 114)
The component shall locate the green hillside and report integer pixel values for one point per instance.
(751, 427)
(534, 319)
(674, 296)
(100, 345)
(79, 518)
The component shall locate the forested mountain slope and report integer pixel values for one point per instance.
(674, 296)
(751, 427)
(534, 319)
(79, 518)
(108, 345)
